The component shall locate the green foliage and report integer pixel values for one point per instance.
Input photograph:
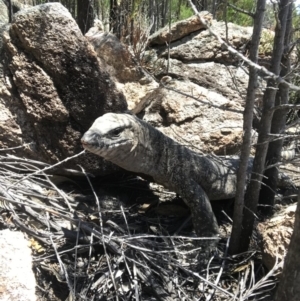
(296, 24)
(185, 12)
(179, 10)
(232, 15)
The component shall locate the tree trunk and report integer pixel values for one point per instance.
(234, 246)
(177, 14)
(253, 189)
(132, 11)
(214, 8)
(289, 288)
(200, 4)
(267, 195)
(163, 13)
(10, 11)
(113, 16)
(85, 15)
(152, 16)
(158, 15)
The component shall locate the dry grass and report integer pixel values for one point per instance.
(92, 245)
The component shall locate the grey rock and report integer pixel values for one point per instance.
(275, 234)
(210, 120)
(179, 30)
(3, 13)
(201, 46)
(16, 275)
(52, 87)
(206, 122)
(117, 56)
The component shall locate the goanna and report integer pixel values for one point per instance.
(136, 146)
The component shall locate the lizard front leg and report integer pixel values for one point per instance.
(203, 218)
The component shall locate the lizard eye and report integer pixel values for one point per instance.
(116, 132)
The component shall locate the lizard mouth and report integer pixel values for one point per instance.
(91, 141)
(99, 147)
(87, 145)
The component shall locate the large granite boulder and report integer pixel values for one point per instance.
(206, 122)
(16, 275)
(202, 104)
(117, 56)
(275, 235)
(3, 13)
(52, 86)
(179, 30)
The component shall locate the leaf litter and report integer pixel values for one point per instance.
(93, 240)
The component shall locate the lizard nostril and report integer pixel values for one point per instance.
(88, 136)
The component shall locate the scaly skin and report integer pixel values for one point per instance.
(136, 146)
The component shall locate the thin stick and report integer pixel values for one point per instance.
(45, 169)
(103, 240)
(63, 268)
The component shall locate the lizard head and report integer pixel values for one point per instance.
(111, 136)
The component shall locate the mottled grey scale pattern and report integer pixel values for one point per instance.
(138, 147)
